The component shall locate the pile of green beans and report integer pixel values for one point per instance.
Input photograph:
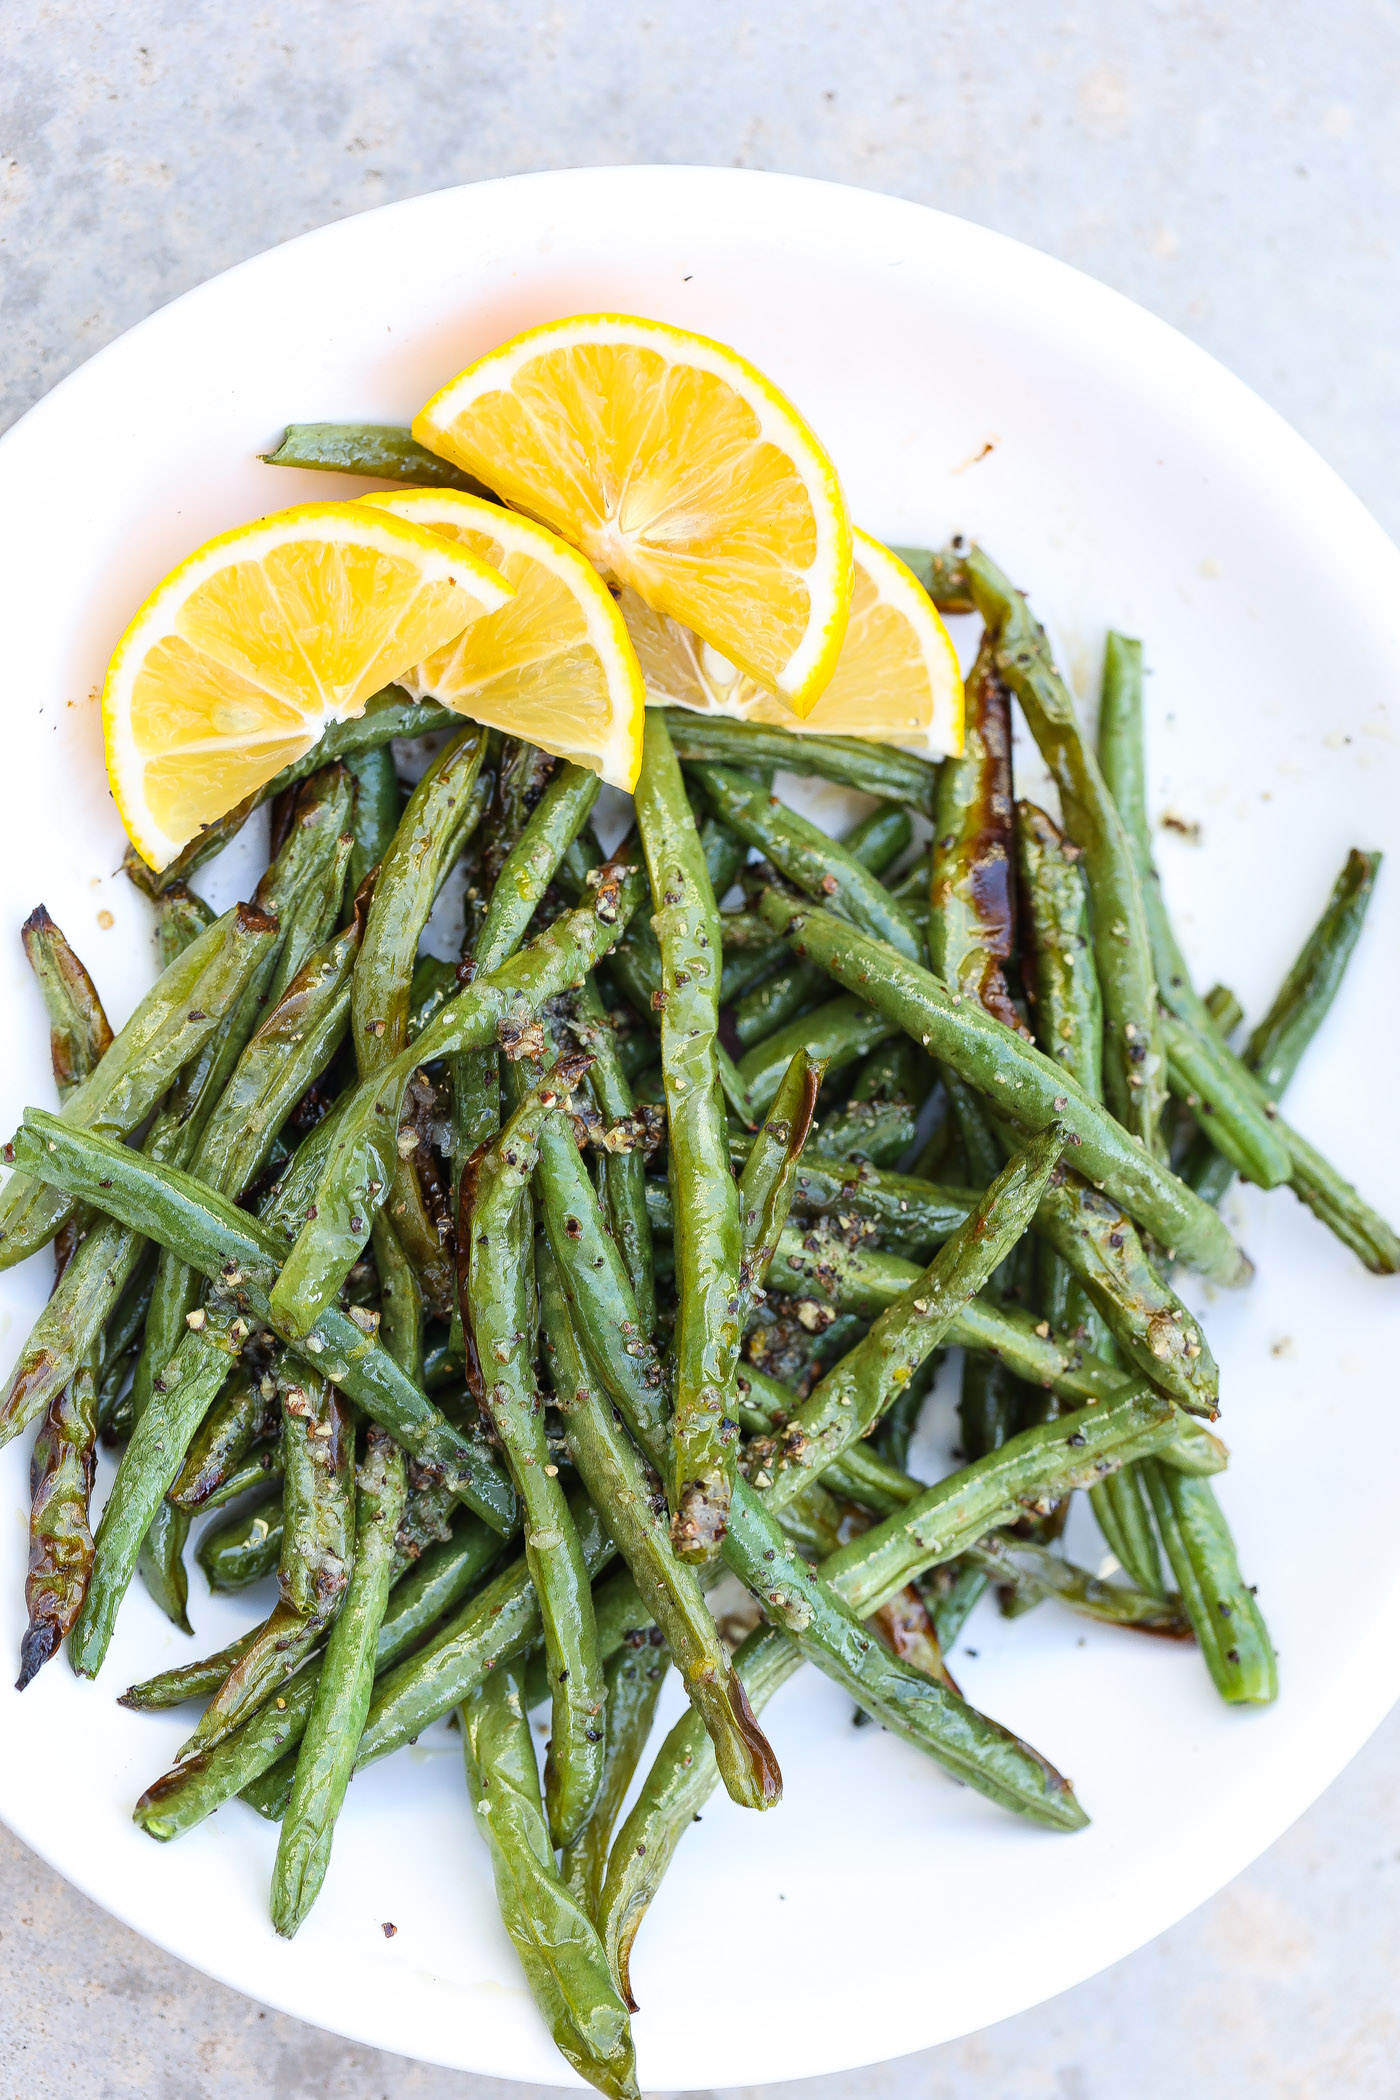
(449, 1290)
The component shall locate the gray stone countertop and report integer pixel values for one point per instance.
(1233, 166)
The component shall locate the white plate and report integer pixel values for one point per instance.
(1131, 482)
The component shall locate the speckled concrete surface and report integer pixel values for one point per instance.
(1236, 168)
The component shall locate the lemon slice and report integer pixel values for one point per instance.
(554, 665)
(896, 680)
(679, 470)
(236, 664)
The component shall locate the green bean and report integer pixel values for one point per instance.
(61, 1549)
(378, 808)
(386, 715)
(521, 779)
(947, 1518)
(1124, 1516)
(765, 1409)
(149, 1464)
(876, 769)
(1031, 1573)
(338, 1711)
(277, 1651)
(400, 1301)
(501, 1621)
(360, 1160)
(782, 997)
(725, 853)
(292, 1047)
(635, 1676)
(181, 917)
(187, 1005)
(877, 1131)
(1228, 1622)
(385, 451)
(206, 1230)
(79, 1032)
(1038, 1467)
(1061, 979)
(437, 822)
(1019, 1080)
(188, 1681)
(280, 1646)
(943, 575)
(707, 1239)
(1208, 1077)
(231, 1426)
(182, 1798)
(878, 840)
(904, 1206)
(1312, 1177)
(257, 1469)
(895, 1071)
(669, 1589)
(809, 857)
(951, 1593)
(501, 1227)
(624, 1169)
(1134, 1064)
(1150, 1324)
(1276, 1047)
(318, 1498)
(972, 923)
(559, 1948)
(245, 1546)
(1069, 1024)
(968, 1110)
(442, 813)
(761, 1007)
(1224, 1009)
(912, 887)
(767, 1183)
(270, 1074)
(837, 1034)
(546, 835)
(62, 1464)
(746, 968)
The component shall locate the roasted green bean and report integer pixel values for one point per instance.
(707, 1239)
(558, 1946)
(343, 1689)
(670, 1590)
(876, 769)
(498, 1292)
(1134, 1064)
(383, 451)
